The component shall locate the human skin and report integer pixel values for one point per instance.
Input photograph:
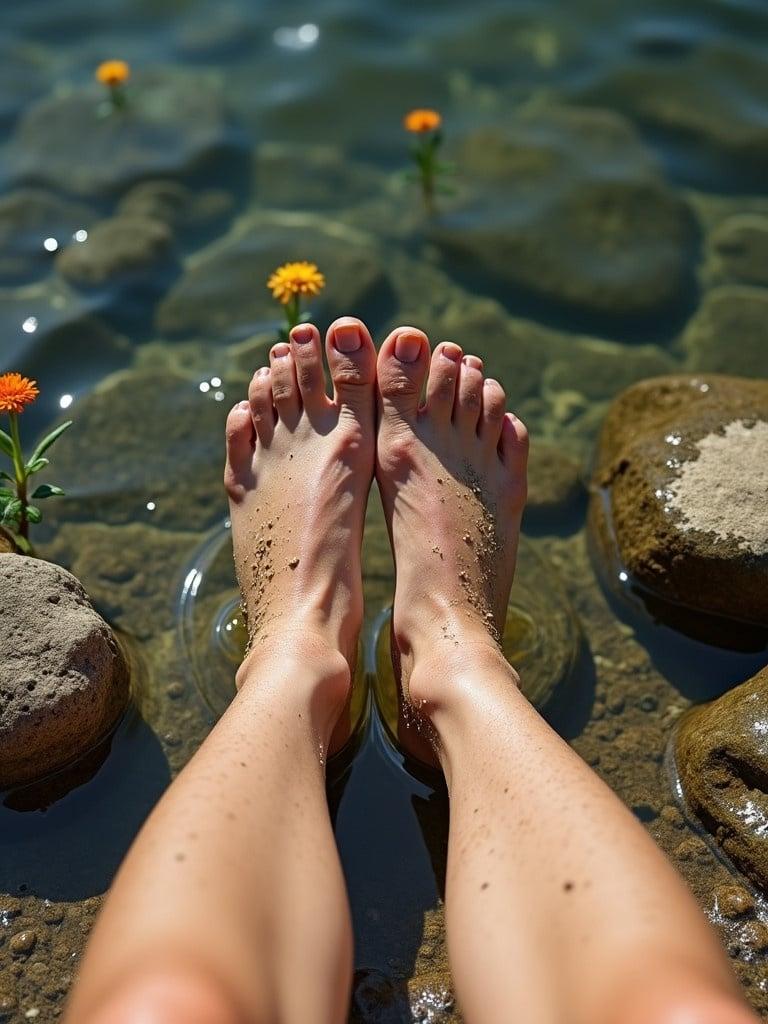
(231, 906)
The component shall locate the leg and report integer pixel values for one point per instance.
(231, 907)
(559, 906)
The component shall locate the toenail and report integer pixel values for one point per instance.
(407, 347)
(243, 405)
(346, 338)
(281, 351)
(452, 352)
(263, 372)
(302, 334)
(490, 382)
(473, 362)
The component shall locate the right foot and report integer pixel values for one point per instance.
(452, 476)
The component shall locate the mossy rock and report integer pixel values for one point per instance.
(722, 764)
(680, 497)
(729, 333)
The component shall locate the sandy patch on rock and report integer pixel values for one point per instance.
(725, 490)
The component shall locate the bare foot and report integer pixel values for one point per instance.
(452, 475)
(299, 468)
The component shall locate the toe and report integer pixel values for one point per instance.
(441, 385)
(262, 408)
(285, 390)
(240, 438)
(402, 368)
(513, 446)
(308, 361)
(352, 359)
(492, 416)
(469, 394)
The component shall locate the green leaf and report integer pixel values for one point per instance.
(6, 443)
(22, 544)
(34, 515)
(46, 491)
(6, 476)
(35, 465)
(6, 496)
(48, 440)
(12, 511)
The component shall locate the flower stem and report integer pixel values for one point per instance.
(21, 474)
(292, 312)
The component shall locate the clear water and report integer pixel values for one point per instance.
(284, 123)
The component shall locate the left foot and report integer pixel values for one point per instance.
(299, 468)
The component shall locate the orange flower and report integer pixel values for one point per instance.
(113, 73)
(421, 121)
(16, 392)
(293, 279)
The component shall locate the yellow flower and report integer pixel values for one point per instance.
(295, 279)
(16, 392)
(113, 73)
(421, 121)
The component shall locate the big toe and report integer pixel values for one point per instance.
(402, 368)
(352, 362)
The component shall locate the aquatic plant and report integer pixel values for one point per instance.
(16, 511)
(291, 283)
(426, 126)
(114, 74)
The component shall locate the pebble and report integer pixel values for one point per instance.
(754, 936)
(53, 913)
(23, 943)
(733, 900)
(175, 690)
(648, 702)
(672, 816)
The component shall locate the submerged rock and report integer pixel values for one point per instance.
(681, 494)
(556, 183)
(115, 249)
(555, 484)
(722, 764)
(709, 109)
(729, 333)
(63, 678)
(168, 433)
(740, 246)
(224, 294)
(173, 125)
(29, 217)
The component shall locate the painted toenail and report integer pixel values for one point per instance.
(407, 347)
(473, 362)
(346, 338)
(281, 351)
(302, 334)
(452, 352)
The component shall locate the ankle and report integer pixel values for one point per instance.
(446, 678)
(301, 668)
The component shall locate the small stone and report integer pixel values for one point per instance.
(53, 913)
(175, 690)
(648, 703)
(733, 900)
(554, 483)
(672, 816)
(691, 848)
(293, 563)
(754, 935)
(22, 943)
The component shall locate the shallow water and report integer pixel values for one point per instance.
(599, 150)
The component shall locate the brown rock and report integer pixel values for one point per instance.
(733, 900)
(722, 761)
(63, 678)
(680, 497)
